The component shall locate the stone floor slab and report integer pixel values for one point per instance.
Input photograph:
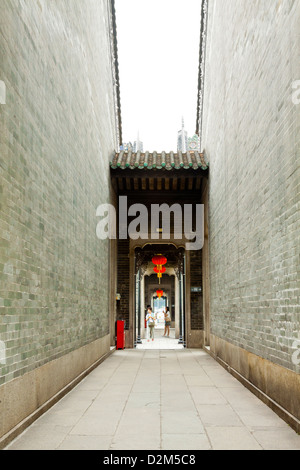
(136, 442)
(201, 380)
(218, 415)
(85, 443)
(260, 416)
(176, 422)
(185, 442)
(43, 437)
(277, 438)
(92, 424)
(232, 438)
(207, 396)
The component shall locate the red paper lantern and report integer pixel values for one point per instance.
(159, 260)
(159, 293)
(159, 271)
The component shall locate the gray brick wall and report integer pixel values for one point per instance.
(251, 134)
(57, 137)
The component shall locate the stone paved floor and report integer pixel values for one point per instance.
(159, 400)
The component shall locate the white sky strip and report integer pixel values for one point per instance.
(158, 44)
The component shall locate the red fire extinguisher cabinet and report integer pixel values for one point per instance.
(120, 334)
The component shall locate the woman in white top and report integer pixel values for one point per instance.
(150, 324)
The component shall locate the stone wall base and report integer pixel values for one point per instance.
(26, 398)
(276, 386)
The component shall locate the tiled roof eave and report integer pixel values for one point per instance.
(159, 161)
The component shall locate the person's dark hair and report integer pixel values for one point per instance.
(167, 309)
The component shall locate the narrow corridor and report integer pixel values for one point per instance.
(158, 400)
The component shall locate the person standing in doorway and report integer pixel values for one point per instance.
(167, 321)
(150, 324)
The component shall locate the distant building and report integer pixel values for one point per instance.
(186, 143)
(126, 147)
(137, 146)
(182, 139)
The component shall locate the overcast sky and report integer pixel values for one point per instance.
(158, 43)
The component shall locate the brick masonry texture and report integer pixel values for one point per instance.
(58, 135)
(251, 133)
(196, 297)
